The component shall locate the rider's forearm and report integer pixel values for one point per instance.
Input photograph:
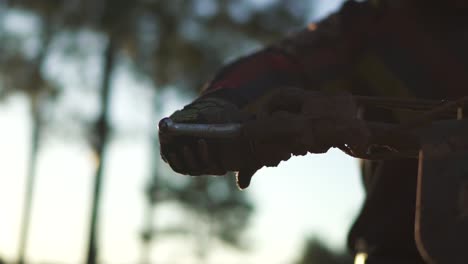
(249, 79)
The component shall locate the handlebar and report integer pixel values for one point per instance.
(231, 130)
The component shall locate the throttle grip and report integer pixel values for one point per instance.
(230, 130)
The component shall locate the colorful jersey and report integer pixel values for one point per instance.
(362, 48)
(369, 50)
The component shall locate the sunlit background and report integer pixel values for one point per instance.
(82, 87)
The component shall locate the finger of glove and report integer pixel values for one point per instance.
(285, 99)
(163, 155)
(190, 161)
(208, 161)
(210, 110)
(172, 153)
(163, 146)
(175, 163)
(164, 137)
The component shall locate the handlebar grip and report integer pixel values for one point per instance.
(169, 127)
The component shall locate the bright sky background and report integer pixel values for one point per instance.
(314, 195)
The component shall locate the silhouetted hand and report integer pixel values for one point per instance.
(208, 156)
(201, 156)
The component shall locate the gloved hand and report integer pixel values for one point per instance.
(198, 156)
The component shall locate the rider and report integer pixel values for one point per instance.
(391, 48)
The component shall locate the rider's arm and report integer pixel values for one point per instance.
(320, 57)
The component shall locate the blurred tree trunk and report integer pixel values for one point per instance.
(31, 176)
(147, 235)
(100, 139)
(151, 194)
(36, 99)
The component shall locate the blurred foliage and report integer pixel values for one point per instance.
(21, 71)
(218, 201)
(315, 252)
(175, 43)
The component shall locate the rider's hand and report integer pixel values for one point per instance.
(198, 156)
(238, 83)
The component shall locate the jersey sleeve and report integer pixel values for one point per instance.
(319, 57)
